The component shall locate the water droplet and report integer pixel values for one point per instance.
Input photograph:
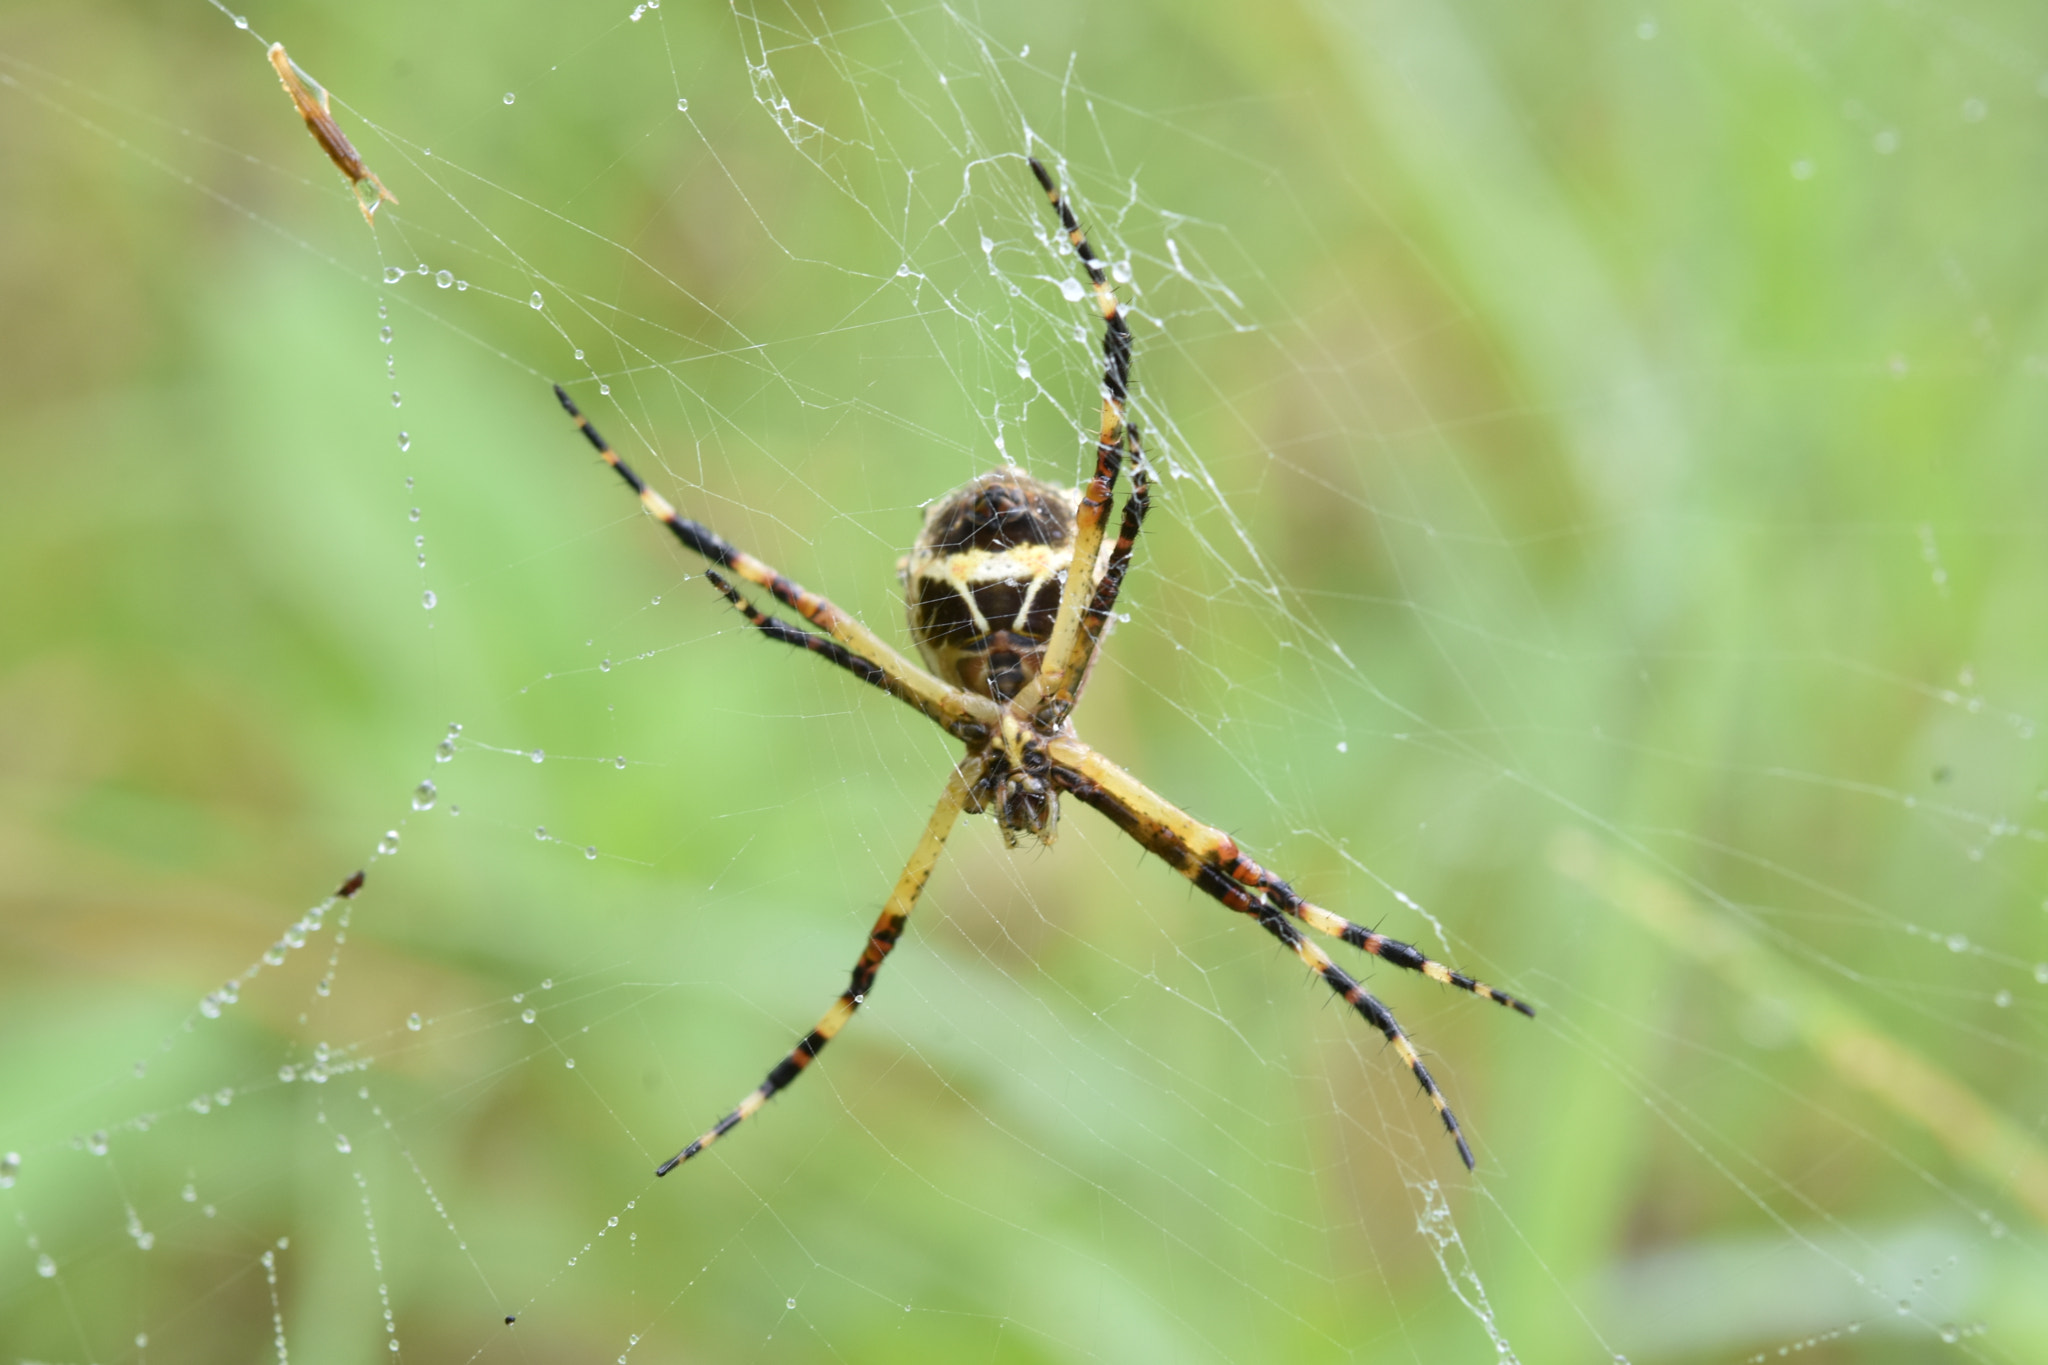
(509, 97)
(547, 983)
(443, 279)
(605, 390)
(1949, 1333)
(1343, 746)
(393, 274)
(46, 1267)
(539, 755)
(241, 21)
(535, 301)
(579, 353)
(527, 1016)
(97, 1143)
(570, 1063)
(10, 1166)
(287, 1073)
(190, 1194)
(428, 600)
(413, 1022)
(397, 399)
(789, 1303)
(682, 106)
(384, 335)
(1070, 289)
(444, 751)
(2003, 1000)
(540, 832)
(590, 851)
(604, 665)
(388, 845)
(620, 763)
(423, 795)
(461, 285)
(1023, 368)
(1957, 943)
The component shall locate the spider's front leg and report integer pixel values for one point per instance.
(1210, 859)
(881, 942)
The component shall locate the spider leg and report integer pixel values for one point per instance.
(1057, 678)
(1392, 950)
(1054, 710)
(777, 629)
(881, 939)
(1209, 858)
(1214, 883)
(1194, 846)
(961, 713)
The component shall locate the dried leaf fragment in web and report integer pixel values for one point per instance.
(319, 117)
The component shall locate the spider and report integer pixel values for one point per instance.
(1009, 588)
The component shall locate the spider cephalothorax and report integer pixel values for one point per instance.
(982, 584)
(1016, 784)
(1010, 589)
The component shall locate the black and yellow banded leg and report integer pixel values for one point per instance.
(1058, 676)
(1095, 618)
(881, 940)
(1187, 845)
(1163, 830)
(776, 629)
(1358, 936)
(1340, 982)
(965, 716)
(1116, 339)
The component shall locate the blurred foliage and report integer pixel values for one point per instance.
(1634, 429)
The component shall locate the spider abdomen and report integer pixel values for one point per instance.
(982, 584)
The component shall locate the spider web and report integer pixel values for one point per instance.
(1597, 538)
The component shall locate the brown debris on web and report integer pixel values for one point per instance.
(310, 98)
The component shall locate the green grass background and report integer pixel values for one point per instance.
(1626, 423)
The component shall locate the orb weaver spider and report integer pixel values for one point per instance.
(1009, 589)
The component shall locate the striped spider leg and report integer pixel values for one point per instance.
(1070, 649)
(1210, 859)
(881, 939)
(857, 649)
